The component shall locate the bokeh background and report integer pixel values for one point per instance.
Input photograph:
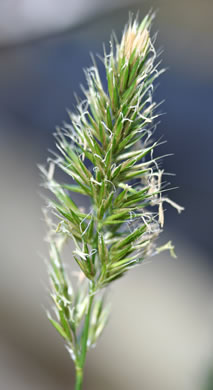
(160, 335)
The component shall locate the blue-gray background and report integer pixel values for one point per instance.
(160, 333)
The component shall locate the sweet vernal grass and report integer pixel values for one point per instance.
(107, 152)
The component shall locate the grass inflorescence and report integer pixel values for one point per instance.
(107, 152)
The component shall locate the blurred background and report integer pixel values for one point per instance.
(160, 335)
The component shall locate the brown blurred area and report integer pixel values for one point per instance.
(160, 330)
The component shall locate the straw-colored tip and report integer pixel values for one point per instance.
(134, 39)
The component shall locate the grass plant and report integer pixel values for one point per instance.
(107, 154)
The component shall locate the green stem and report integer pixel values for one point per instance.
(80, 363)
(79, 378)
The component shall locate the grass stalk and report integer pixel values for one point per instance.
(82, 358)
(107, 148)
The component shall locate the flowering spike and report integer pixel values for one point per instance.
(107, 149)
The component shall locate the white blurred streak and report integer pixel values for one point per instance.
(26, 19)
